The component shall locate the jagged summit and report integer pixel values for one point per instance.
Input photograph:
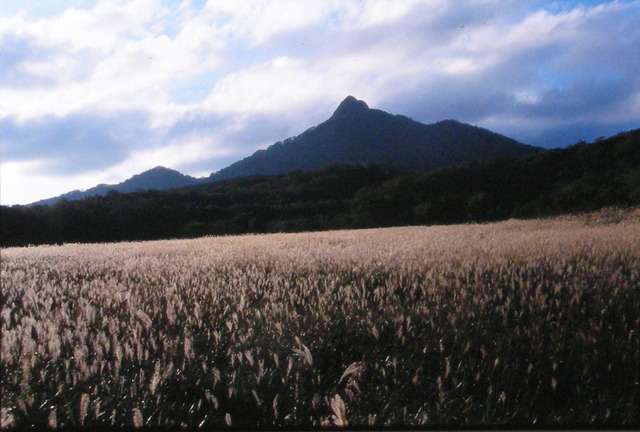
(350, 106)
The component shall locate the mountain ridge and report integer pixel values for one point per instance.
(158, 178)
(356, 133)
(353, 134)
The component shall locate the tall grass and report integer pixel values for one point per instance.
(514, 323)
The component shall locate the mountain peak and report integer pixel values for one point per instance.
(160, 169)
(158, 178)
(350, 106)
(356, 134)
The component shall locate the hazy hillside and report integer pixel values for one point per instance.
(158, 178)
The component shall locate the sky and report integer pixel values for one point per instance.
(95, 91)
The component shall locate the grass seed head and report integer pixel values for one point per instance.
(339, 411)
(137, 418)
(84, 405)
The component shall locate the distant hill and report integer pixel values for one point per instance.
(158, 178)
(356, 134)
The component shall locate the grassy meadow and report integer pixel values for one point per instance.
(512, 323)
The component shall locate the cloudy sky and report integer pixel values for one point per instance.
(94, 91)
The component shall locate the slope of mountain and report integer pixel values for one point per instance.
(356, 134)
(158, 178)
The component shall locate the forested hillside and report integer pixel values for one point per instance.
(579, 178)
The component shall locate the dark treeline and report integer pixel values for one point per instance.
(582, 177)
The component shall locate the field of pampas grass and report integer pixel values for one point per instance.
(518, 323)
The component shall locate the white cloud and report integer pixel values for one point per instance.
(372, 13)
(98, 29)
(178, 153)
(284, 86)
(258, 20)
(463, 65)
(23, 182)
(527, 97)
(112, 57)
(261, 68)
(275, 86)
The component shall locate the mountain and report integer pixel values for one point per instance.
(357, 134)
(158, 178)
(579, 178)
(354, 134)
